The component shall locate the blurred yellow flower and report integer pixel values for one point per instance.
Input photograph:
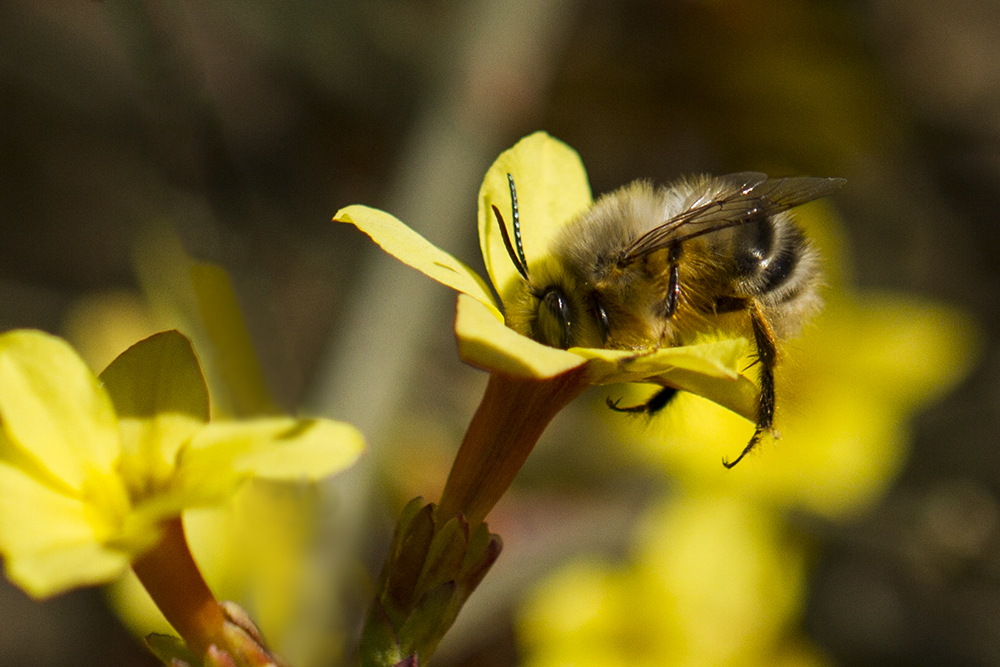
(258, 550)
(713, 582)
(91, 469)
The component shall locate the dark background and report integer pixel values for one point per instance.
(246, 125)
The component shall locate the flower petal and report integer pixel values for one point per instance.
(48, 539)
(716, 359)
(552, 189)
(224, 454)
(46, 574)
(687, 541)
(53, 408)
(34, 516)
(913, 350)
(305, 449)
(739, 395)
(484, 341)
(844, 393)
(411, 248)
(706, 369)
(162, 401)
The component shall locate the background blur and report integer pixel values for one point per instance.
(245, 125)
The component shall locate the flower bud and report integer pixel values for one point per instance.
(431, 570)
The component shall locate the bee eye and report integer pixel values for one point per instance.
(555, 319)
(603, 325)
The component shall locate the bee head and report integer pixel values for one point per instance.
(553, 309)
(568, 314)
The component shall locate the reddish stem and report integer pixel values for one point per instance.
(170, 575)
(511, 417)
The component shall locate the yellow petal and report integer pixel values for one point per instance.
(844, 394)
(688, 541)
(53, 408)
(35, 517)
(48, 539)
(738, 395)
(162, 401)
(305, 449)
(51, 573)
(552, 189)
(224, 454)
(590, 613)
(234, 356)
(716, 359)
(912, 349)
(413, 249)
(574, 615)
(706, 369)
(838, 457)
(485, 342)
(131, 603)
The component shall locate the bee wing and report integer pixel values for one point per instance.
(743, 197)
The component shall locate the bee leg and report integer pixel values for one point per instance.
(671, 299)
(767, 355)
(656, 402)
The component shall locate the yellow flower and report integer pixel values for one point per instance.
(530, 382)
(713, 582)
(257, 550)
(552, 190)
(845, 391)
(92, 469)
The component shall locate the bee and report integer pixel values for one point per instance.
(646, 267)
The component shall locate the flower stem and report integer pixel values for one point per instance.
(511, 417)
(170, 575)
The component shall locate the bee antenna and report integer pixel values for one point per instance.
(516, 257)
(506, 243)
(517, 224)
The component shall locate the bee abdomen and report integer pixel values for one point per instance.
(773, 260)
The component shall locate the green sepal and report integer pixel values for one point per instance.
(478, 543)
(483, 550)
(406, 563)
(379, 642)
(445, 555)
(428, 575)
(431, 619)
(473, 571)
